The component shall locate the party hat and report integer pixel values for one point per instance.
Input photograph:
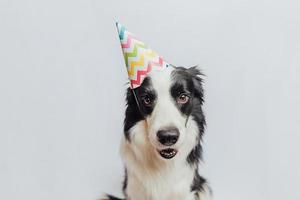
(139, 58)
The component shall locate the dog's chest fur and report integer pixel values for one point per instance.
(173, 182)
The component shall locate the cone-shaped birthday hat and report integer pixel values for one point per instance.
(139, 58)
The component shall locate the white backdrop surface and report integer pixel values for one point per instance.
(62, 86)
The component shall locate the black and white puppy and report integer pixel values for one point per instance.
(163, 128)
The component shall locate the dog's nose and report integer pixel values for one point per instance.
(168, 136)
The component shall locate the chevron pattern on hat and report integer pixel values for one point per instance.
(140, 60)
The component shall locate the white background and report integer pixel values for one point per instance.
(62, 86)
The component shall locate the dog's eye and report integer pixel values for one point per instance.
(182, 99)
(146, 100)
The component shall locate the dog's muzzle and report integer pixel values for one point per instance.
(168, 137)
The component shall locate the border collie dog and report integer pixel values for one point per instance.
(163, 128)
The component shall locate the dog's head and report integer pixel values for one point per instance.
(167, 107)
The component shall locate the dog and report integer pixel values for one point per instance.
(162, 144)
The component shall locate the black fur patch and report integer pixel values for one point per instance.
(182, 84)
(132, 113)
(136, 109)
(113, 198)
(189, 81)
(125, 182)
(198, 182)
(146, 91)
(195, 155)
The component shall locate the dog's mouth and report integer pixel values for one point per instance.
(168, 153)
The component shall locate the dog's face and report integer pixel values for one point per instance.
(169, 103)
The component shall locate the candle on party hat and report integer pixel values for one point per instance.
(140, 60)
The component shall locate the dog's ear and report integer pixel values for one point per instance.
(130, 99)
(197, 75)
(132, 112)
